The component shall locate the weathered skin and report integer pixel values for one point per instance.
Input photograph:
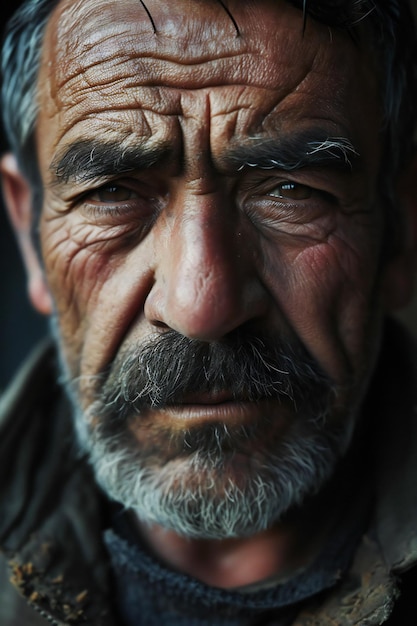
(174, 256)
(194, 242)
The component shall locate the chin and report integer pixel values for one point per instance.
(220, 492)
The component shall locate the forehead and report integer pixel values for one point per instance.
(117, 65)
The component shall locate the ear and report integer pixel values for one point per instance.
(400, 271)
(18, 200)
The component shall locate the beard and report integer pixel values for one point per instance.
(212, 480)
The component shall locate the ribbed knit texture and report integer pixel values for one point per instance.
(150, 594)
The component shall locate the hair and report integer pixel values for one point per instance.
(20, 62)
(388, 24)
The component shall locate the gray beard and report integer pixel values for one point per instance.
(199, 492)
(198, 496)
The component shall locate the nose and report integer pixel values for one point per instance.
(206, 283)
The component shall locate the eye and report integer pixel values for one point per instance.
(113, 193)
(291, 191)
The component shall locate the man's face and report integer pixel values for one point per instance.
(214, 189)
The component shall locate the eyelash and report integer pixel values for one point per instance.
(116, 209)
(264, 188)
(260, 192)
(103, 210)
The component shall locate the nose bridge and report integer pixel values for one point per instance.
(202, 280)
(208, 264)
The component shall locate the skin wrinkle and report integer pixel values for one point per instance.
(273, 276)
(122, 56)
(90, 238)
(152, 84)
(120, 108)
(297, 282)
(150, 57)
(349, 279)
(94, 115)
(72, 21)
(109, 236)
(53, 167)
(80, 158)
(78, 244)
(70, 308)
(135, 132)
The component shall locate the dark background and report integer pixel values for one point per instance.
(20, 326)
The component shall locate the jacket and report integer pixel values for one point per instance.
(52, 513)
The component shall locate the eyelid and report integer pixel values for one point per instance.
(319, 187)
(114, 185)
(303, 190)
(134, 185)
(141, 209)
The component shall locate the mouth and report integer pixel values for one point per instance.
(221, 407)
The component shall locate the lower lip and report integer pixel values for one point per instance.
(231, 412)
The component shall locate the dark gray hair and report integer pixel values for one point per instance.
(20, 61)
(388, 24)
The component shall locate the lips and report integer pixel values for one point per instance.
(221, 407)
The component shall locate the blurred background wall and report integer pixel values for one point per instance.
(20, 326)
(409, 315)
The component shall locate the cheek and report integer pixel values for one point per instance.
(327, 293)
(98, 278)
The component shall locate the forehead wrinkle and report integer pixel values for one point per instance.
(156, 72)
(125, 54)
(153, 81)
(274, 114)
(113, 71)
(138, 108)
(122, 121)
(97, 39)
(125, 131)
(84, 28)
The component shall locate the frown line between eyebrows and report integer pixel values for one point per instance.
(87, 160)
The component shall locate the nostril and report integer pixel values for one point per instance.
(159, 324)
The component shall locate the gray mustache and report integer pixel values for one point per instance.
(170, 367)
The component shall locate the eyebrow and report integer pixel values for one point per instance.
(87, 160)
(91, 159)
(307, 149)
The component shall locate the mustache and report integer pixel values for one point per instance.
(169, 368)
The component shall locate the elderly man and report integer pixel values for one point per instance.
(215, 203)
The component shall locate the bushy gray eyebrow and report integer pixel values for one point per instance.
(87, 160)
(296, 152)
